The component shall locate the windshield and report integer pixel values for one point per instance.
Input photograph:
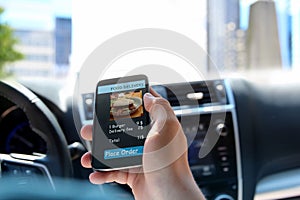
(246, 37)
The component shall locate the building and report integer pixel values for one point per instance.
(288, 18)
(295, 30)
(63, 39)
(263, 43)
(223, 22)
(47, 52)
(38, 49)
(43, 29)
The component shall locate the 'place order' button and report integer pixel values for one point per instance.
(123, 152)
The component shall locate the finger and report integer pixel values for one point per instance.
(158, 107)
(87, 132)
(86, 160)
(154, 93)
(165, 142)
(164, 121)
(107, 177)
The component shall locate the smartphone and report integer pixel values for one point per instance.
(121, 123)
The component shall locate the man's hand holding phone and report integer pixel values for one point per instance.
(165, 173)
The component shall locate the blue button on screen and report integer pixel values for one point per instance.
(123, 152)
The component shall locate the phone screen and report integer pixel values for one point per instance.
(120, 123)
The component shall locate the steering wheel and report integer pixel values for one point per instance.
(57, 161)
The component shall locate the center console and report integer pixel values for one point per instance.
(207, 113)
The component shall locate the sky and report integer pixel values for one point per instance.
(22, 14)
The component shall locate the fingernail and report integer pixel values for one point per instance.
(148, 95)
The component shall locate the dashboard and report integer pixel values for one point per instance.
(209, 121)
(242, 136)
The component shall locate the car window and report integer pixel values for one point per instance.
(246, 37)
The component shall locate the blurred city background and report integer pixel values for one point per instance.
(44, 31)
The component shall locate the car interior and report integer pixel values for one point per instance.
(253, 112)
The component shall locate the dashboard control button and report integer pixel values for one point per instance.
(223, 197)
(203, 170)
(224, 158)
(208, 170)
(225, 169)
(221, 129)
(222, 148)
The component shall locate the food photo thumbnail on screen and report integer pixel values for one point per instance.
(126, 104)
(125, 99)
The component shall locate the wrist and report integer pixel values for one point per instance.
(178, 185)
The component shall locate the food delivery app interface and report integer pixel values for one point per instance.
(122, 118)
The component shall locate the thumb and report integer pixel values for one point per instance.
(158, 107)
(165, 142)
(163, 118)
(165, 124)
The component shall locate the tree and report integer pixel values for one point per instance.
(8, 53)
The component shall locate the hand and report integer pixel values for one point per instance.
(165, 173)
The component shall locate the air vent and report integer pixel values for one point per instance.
(202, 93)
